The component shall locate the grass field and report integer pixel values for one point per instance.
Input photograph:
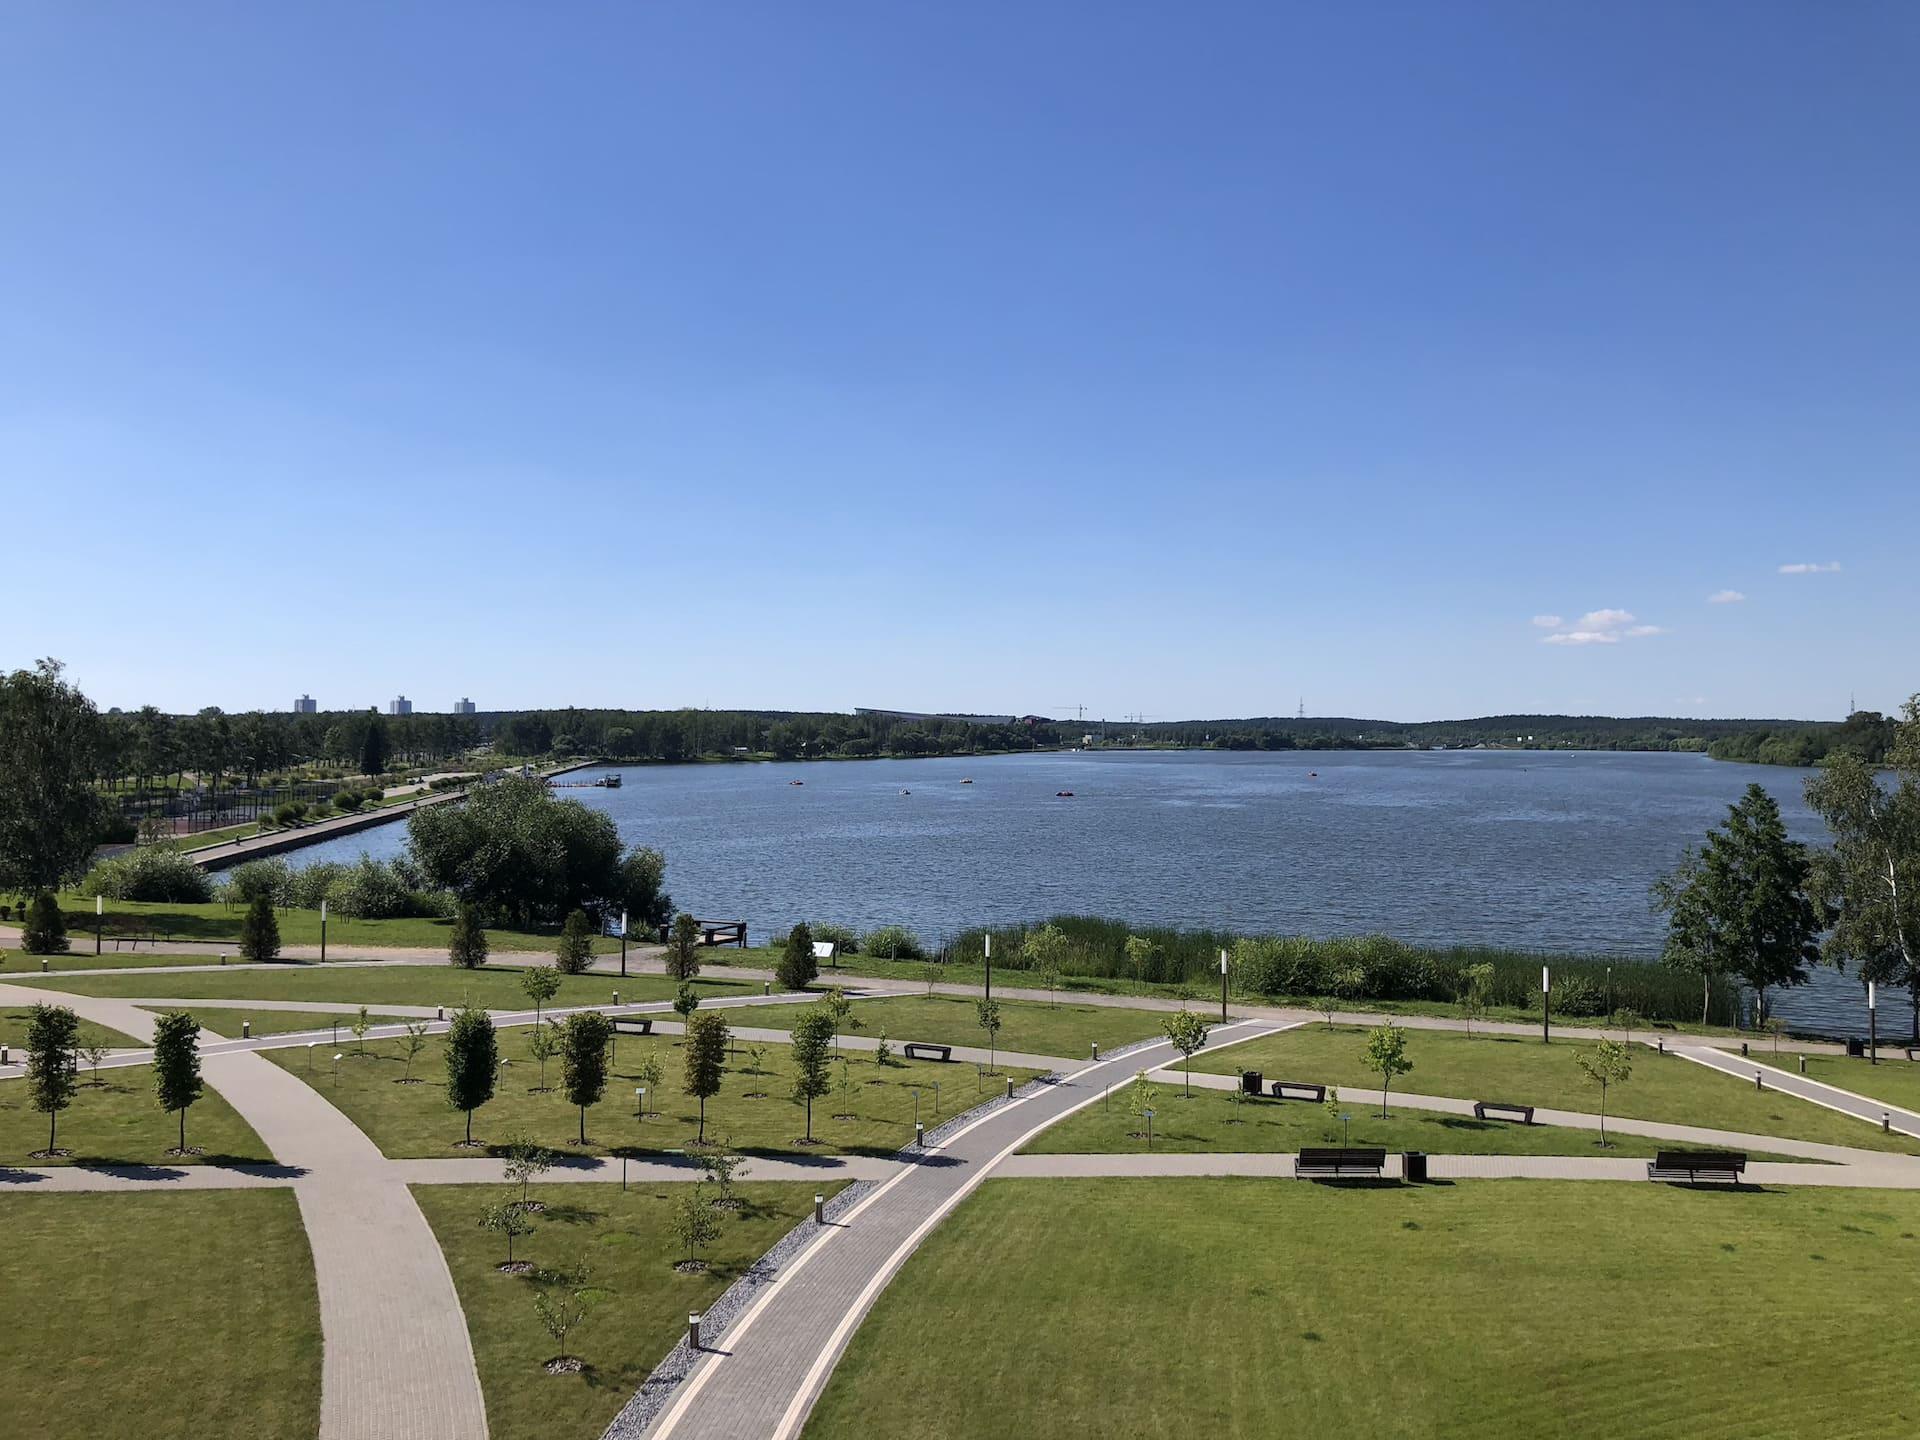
(1242, 1308)
(1033, 1027)
(283, 1022)
(644, 1301)
(1896, 1081)
(496, 988)
(17, 963)
(14, 1020)
(1489, 1067)
(1209, 1123)
(118, 1329)
(414, 1120)
(117, 1121)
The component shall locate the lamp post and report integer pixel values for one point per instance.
(1873, 1031)
(99, 920)
(623, 944)
(1223, 987)
(1546, 987)
(323, 931)
(987, 944)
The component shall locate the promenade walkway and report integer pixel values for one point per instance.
(1772, 1077)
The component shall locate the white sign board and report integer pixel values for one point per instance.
(824, 949)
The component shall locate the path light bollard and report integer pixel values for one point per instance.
(336, 1067)
(1803, 1064)
(766, 987)
(1759, 1082)
(439, 1012)
(1886, 1122)
(693, 1329)
(1743, 1050)
(43, 966)
(246, 1029)
(1009, 1087)
(310, 1045)
(819, 1209)
(1661, 1044)
(919, 1135)
(616, 997)
(223, 957)
(1095, 1046)
(3, 1055)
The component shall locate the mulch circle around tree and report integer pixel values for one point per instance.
(754, 1095)
(406, 1080)
(514, 1267)
(180, 1154)
(530, 1207)
(565, 1365)
(807, 1142)
(848, 1116)
(469, 1144)
(61, 1154)
(690, 1267)
(727, 1202)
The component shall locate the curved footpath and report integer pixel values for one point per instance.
(396, 1362)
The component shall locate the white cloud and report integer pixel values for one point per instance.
(1725, 597)
(1809, 567)
(1596, 627)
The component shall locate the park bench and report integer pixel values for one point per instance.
(1297, 1090)
(1693, 1164)
(1339, 1164)
(632, 1024)
(915, 1050)
(1501, 1110)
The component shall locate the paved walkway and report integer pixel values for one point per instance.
(397, 1363)
(1771, 1077)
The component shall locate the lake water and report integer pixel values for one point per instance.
(1545, 850)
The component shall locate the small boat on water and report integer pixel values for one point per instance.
(608, 782)
(796, 782)
(966, 782)
(1063, 794)
(906, 792)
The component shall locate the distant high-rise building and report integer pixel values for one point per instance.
(399, 705)
(463, 706)
(306, 705)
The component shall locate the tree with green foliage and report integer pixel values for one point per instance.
(525, 1162)
(51, 812)
(986, 1014)
(413, 1041)
(467, 945)
(812, 1035)
(840, 1008)
(574, 953)
(44, 930)
(798, 969)
(583, 1060)
(1328, 1006)
(52, 1036)
(683, 948)
(260, 932)
(686, 1000)
(509, 1221)
(362, 1023)
(562, 1302)
(176, 1066)
(1739, 905)
(693, 1222)
(473, 1058)
(542, 1046)
(1140, 952)
(1476, 985)
(706, 1061)
(1386, 1053)
(718, 1163)
(1186, 1031)
(539, 984)
(1607, 1064)
(95, 1055)
(373, 747)
(1143, 1095)
(649, 1072)
(1045, 951)
(1870, 878)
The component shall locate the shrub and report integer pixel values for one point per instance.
(260, 932)
(798, 968)
(158, 875)
(288, 813)
(347, 800)
(271, 878)
(44, 931)
(846, 939)
(369, 890)
(575, 950)
(307, 888)
(893, 942)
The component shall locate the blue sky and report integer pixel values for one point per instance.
(1185, 360)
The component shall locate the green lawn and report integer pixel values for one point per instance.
(643, 1306)
(414, 1120)
(1032, 1027)
(15, 1018)
(1209, 1122)
(17, 963)
(495, 987)
(118, 1122)
(283, 1022)
(1490, 1067)
(1896, 1081)
(1246, 1308)
(134, 1316)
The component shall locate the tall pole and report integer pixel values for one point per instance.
(1873, 1032)
(99, 920)
(988, 942)
(1546, 986)
(1223, 987)
(623, 944)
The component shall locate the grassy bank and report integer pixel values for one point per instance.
(115, 1120)
(490, 987)
(1245, 1308)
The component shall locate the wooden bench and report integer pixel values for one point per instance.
(915, 1050)
(1339, 1164)
(1297, 1090)
(1693, 1164)
(1501, 1110)
(632, 1024)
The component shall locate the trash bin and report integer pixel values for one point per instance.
(1414, 1166)
(1856, 1049)
(1250, 1081)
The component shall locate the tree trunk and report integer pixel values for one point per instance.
(1706, 996)
(583, 1124)
(469, 1126)
(703, 1119)
(53, 1121)
(183, 1129)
